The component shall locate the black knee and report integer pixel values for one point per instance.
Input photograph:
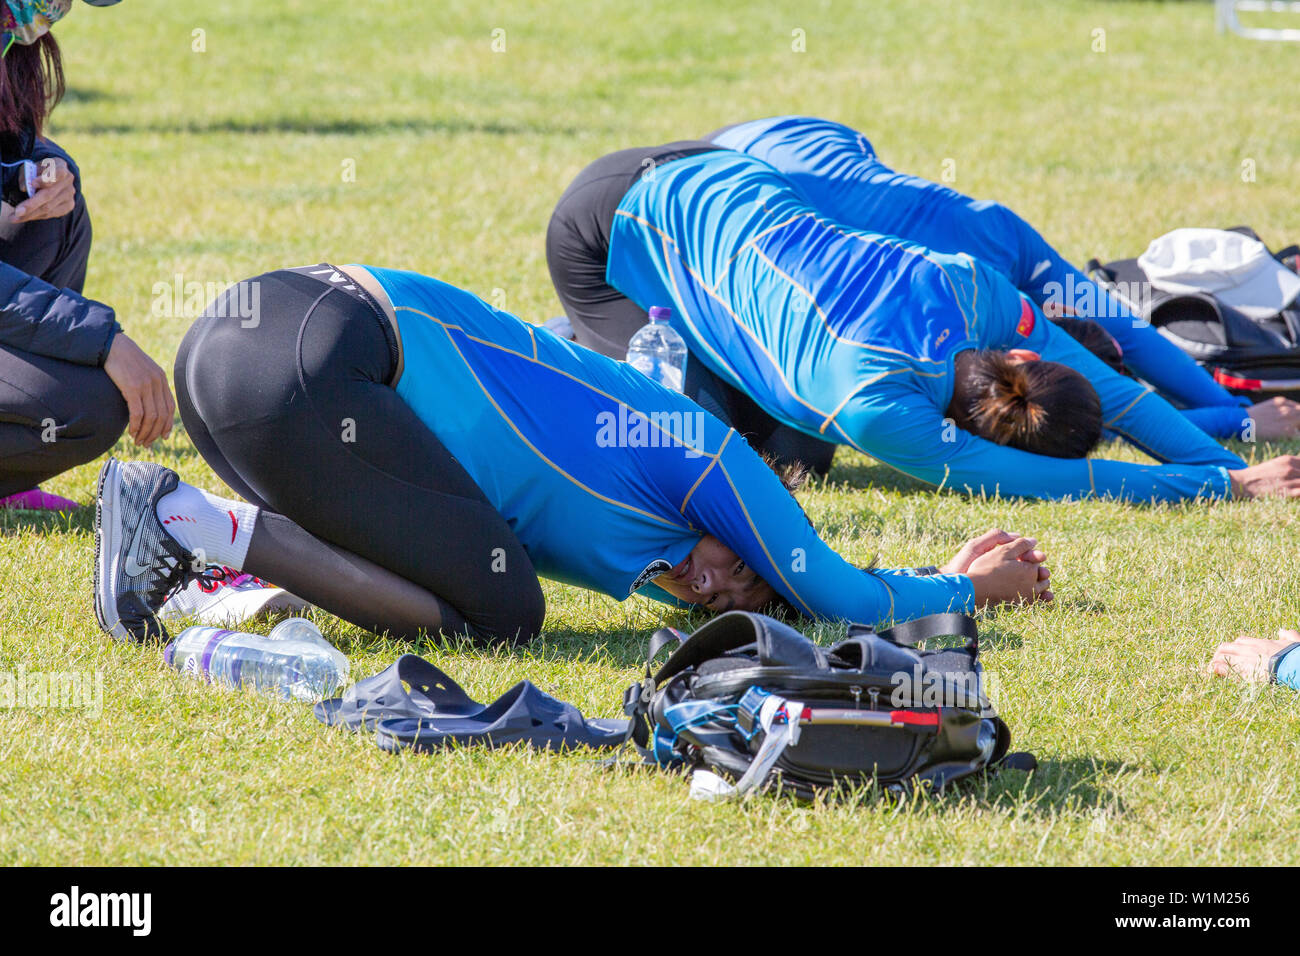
(99, 418)
(531, 614)
(523, 615)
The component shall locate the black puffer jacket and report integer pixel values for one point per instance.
(35, 316)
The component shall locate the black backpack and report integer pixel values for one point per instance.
(749, 703)
(1258, 358)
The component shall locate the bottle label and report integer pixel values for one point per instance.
(210, 648)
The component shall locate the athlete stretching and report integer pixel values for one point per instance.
(414, 458)
(923, 360)
(837, 170)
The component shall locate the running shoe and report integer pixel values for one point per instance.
(138, 564)
(37, 500)
(224, 597)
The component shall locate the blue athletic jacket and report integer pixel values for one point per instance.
(607, 478)
(837, 171)
(850, 335)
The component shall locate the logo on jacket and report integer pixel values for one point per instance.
(1027, 318)
(652, 571)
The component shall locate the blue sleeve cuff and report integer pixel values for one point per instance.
(1285, 667)
(1219, 421)
(924, 572)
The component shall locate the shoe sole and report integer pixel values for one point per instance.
(230, 608)
(108, 549)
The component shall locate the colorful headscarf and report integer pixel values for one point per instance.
(26, 21)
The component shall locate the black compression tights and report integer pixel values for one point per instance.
(365, 512)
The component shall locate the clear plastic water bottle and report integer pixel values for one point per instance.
(293, 662)
(658, 352)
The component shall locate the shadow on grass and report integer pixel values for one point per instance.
(1074, 785)
(77, 94)
(323, 127)
(617, 647)
(871, 474)
(992, 636)
(1083, 605)
(17, 521)
(1070, 784)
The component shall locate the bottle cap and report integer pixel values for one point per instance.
(659, 314)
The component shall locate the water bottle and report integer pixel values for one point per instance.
(658, 352)
(293, 662)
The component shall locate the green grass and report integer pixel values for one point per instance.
(221, 164)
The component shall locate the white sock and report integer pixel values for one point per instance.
(216, 529)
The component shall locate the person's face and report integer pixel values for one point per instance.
(714, 577)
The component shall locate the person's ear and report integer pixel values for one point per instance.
(1021, 356)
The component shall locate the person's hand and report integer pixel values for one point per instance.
(1278, 477)
(1248, 657)
(144, 386)
(1011, 573)
(972, 549)
(1276, 419)
(56, 192)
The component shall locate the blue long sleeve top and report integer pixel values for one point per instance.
(850, 335)
(607, 478)
(1219, 421)
(1287, 667)
(836, 169)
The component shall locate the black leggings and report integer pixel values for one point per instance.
(604, 320)
(295, 410)
(54, 416)
(577, 244)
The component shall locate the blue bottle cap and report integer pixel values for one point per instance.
(659, 314)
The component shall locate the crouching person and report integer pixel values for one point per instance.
(70, 380)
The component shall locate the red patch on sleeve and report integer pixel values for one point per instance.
(1027, 318)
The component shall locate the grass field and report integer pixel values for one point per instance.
(217, 164)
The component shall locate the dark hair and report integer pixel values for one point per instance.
(31, 85)
(1096, 340)
(793, 474)
(1041, 407)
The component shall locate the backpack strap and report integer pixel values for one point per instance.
(1095, 269)
(636, 699)
(912, 633)
(726, 632)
